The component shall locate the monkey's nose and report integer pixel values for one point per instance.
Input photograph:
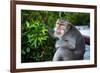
(58, 31)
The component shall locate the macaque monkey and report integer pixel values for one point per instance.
(70, 44)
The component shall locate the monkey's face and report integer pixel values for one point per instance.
(61, 27)
(60, 30)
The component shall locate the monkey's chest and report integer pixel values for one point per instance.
(60, 43)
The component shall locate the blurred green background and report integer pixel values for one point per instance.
(36, 44)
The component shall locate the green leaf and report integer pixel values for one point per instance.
(28, 50)
(27, 24)
(23, 52)
(35, 43)
(60, 14)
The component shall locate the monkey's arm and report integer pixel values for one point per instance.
(70, 43)
(51, 32)
(57, 55)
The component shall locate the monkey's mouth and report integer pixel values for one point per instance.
(58, 32)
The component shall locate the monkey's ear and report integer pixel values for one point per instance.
(69, 26)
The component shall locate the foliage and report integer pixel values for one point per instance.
(36, 44)
(34, 38)
(78, 18)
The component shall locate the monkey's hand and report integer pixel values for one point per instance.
(65, 44)
(57, 46)
(69, 45)
(59, 43)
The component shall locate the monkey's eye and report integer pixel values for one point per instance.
(63, 27)
(57, 25)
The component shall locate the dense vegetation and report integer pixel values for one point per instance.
(36, 43)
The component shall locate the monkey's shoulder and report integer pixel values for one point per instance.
(73, 32)
(73, 35)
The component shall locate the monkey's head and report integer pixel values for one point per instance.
(62, 26)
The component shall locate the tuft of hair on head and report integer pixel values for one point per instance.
(63, 21)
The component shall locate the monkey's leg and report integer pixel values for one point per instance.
(57, 55)
(67, 54)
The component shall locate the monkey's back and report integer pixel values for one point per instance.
(79, 49)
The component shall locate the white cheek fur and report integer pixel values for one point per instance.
(62, 31)
(58, 35)
(55, 29)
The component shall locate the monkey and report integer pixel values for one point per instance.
(70, 44)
